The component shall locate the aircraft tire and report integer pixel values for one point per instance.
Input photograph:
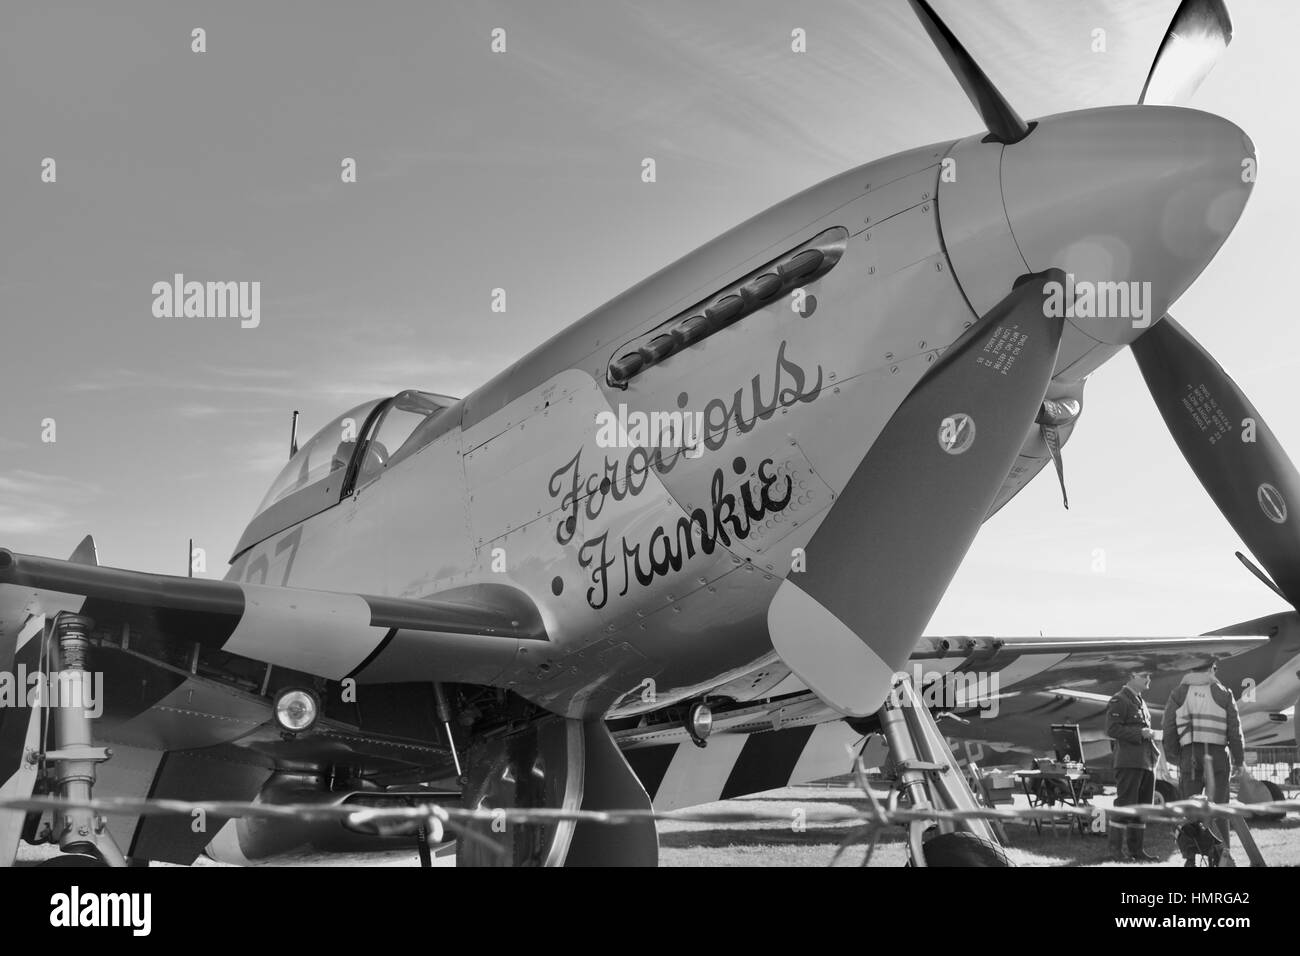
(963, 849)
(1274, 793)
(1166, 792)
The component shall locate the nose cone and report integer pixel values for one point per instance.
(1142, 196)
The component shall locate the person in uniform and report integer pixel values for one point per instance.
(1201, 726)
(1128, 723)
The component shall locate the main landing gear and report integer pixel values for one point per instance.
(925, 775)
(82, 834)
(555, 763)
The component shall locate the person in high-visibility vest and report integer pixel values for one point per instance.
(1201, 726)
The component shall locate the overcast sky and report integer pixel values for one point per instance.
(479, 170)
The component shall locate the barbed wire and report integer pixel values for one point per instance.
(866, 825)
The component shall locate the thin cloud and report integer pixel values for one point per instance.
(33, 503)
(198, 411)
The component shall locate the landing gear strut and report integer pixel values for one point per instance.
(80, 833)
(928, 776)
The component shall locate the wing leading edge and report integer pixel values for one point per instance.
(469, 633)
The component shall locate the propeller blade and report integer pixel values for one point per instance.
(1253, 568)
(1197, 36)
(959, 432)
(1003, 122)
(1229, 447)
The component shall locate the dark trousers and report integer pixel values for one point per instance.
(1191, 778)
(1133, 785)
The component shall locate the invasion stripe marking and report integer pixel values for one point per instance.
(319, 632)
(767, 761)
(379, 649)
(15, 721)
(697, 776)
(650, 764)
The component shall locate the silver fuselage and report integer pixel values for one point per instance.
(523, 491)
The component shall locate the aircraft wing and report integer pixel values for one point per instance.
(1096, 664)
(1020, 686)
(173, 727)
(468, 634)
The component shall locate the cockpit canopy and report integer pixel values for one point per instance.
(326, 452)
(347, 454)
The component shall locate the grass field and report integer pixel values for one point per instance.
(775, 842)
(778, 844)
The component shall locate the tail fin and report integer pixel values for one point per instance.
(86, 552)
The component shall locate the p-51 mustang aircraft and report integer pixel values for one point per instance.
(466, 599)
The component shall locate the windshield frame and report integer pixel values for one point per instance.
(296, 505)
(284, 487)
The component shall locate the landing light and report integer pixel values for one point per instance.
(699, 723)
(296, 710)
